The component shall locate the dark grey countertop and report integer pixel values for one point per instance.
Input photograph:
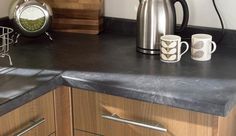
(109, 64)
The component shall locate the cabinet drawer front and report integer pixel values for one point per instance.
(136, 118)
(82, 133)
(177, 122)
(35, 118)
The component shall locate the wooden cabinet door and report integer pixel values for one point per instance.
(86, 111)
(63, 111)
(39, 112)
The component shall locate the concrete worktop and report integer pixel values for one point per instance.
(110, 64)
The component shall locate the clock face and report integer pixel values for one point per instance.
(32, 18)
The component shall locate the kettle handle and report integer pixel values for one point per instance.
(185, 15)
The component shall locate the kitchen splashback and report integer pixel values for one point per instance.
(128, 27)
(202, 12)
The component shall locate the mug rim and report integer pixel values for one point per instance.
(170, 38)
(202, 36)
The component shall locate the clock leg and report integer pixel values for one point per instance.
(49, 36)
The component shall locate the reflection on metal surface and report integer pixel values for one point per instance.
(157, 126)
(156, 18)
(30, 17)
(5, 42)
(31, 126)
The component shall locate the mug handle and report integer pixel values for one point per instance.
(214, 47)
(187, 47)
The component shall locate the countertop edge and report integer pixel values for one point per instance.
(213, 109)
(219, 110)
(30, 95)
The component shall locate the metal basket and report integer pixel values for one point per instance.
(5, 41)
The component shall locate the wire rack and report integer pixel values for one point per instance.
(5, 42)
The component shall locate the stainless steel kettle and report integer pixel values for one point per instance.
(154, 19)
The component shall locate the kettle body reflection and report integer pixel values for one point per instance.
(156, 18)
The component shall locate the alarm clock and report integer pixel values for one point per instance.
(31, 17)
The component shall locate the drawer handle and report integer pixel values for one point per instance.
(114, 117)
(30, 126)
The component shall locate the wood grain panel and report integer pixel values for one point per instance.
(75, 27)
(66, 11)
(63, 111)
(19, 118)
(53, 134)
(91, 2)
(94, 32)
(86, 111)
(77, 14)
(179, 122)
(227, 125)
(73, 5)
(82, 133)
(78, 21)
(78, 25)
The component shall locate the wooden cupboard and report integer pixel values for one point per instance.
(102, 114)
(76, 112)
(37, 116)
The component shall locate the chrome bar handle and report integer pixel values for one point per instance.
(157, 126)
(29, 127)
